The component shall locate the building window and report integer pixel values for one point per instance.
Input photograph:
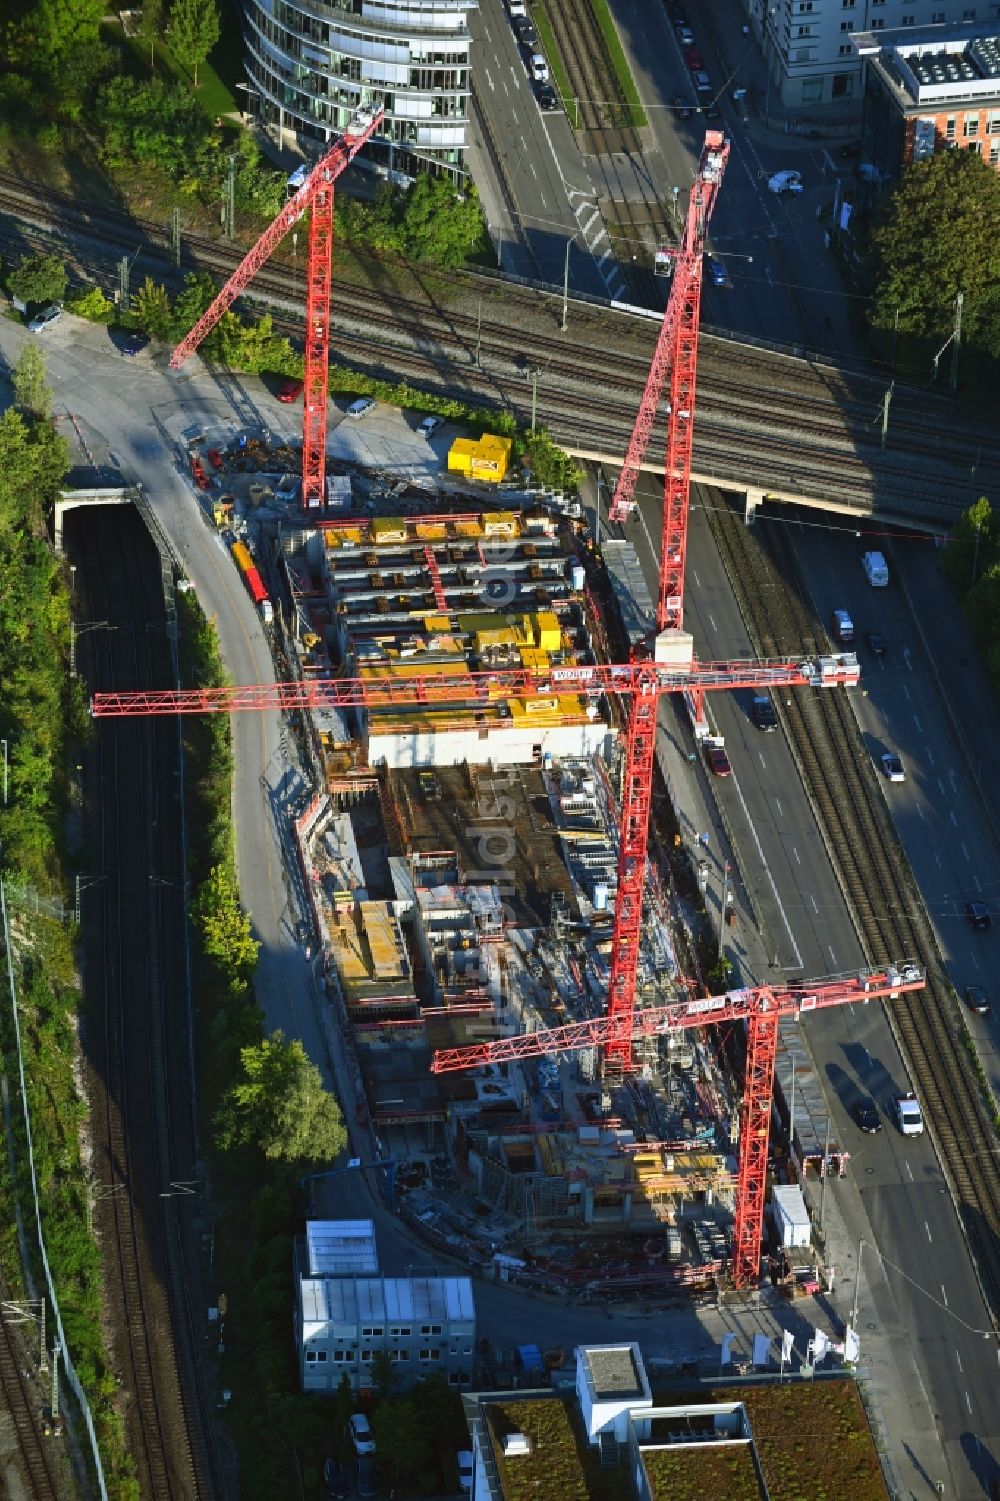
(975, 146)
(994, 153)
(907, 21)
(338, 1354)
(937, 17)
(430, 1329)
(993, 127)
(969, 15)
(971, 126)
(812, 90)
(879, 25)
(847, 25)
(374, 1332)
(366, 1355)
(425, 1355)
(949, 128)
(847, 4)
(846, 50)
(399, 1331)
(317, 1357)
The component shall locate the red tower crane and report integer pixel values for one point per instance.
(761, 1010)
(315, 194)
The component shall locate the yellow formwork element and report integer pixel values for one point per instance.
(416, 667)
(533, 659)
(381, 935)
(385, 529)
(460, 456)
(503, 635)
(434, 623)
(549, 634)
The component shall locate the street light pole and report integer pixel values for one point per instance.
(5, 764)
(857, 1288)
(569, 242)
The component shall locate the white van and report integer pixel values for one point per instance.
(876, 570)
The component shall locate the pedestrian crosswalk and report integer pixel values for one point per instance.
(595, 237)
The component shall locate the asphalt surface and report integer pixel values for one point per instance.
(783, 864)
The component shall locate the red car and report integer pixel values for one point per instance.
(694, 59)
(718, 761)
(289, 391)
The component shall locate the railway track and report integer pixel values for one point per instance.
(132, 977)
(38, 1458)
(882, 894)
(604, 113)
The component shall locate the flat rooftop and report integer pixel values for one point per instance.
(935, 65)
(613, 1372)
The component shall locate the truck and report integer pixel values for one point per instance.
(876, 570)
(843, 627)
(908, 1116)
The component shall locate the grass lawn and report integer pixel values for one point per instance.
(637, 115)
(216, 92)
(814, 1442)
(693, 1473)
(561, 1465)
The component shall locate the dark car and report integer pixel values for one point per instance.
(289, 391)
(712, 111)
(762, 713)
(977, 1000)
(850, 152)
(977, 915)
(866, 1115)
(366, 1477)
(547, 97)
(526, 33)
(694, 59)
(134, 343)
(718, 761)
(875, 643)
(683, 108)
(335, 1478)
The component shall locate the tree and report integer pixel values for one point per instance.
(38, 35)
(939, 235)
(441, 224)
(31, 391)
(39, 278)
(225, 928)
(281, 1106)
(194, 31)
(151, 310)
(384, 1374)
(973, 546)
(92, 305)
(402, 1437)
(151, 27)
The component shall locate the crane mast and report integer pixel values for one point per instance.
(316, 195)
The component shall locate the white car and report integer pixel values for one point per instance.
(46, 317)
(430, 425)
(892, 767)
(539, 68)
(361, 1434)
(911, 1122)
(361, 406)
(785, 182)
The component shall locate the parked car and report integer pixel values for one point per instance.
(908, 1116)
(547, 97)
(850, 152)
(464, 1461)
(685, 33)
(702, 82)
(365, 1478)
(785, 182)
(716, 272)
(866, 1115)
(977, 1000)
(977, 915)
(875, 643)
(134, 343)
(539, 68)
(526, 33)
(46, 317)
(718, 761)
(336, 1480)
(430, 425)
(683, 108)
(289, 391)
(693, 58)
(361, 406)
(361, 1434)
(892, 767)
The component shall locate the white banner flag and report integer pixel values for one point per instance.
(787, 1346)
(761, 1350)
(852, 1346)
(727, 1345)
(819, 1344)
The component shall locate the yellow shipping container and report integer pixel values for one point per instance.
(388, 529)
(460, 455)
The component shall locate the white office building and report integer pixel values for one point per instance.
(312, 63)
(809, 49)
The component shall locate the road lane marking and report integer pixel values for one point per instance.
(920, 728)
(944, 1295)
(940, 786)
(544, 201)
(833, 957)
(585, 229)
(906, 693)
(928, 1229)
(954, 820)
(533, 172)
(777, 804)
(489, 80)
(763, 763)
(979, 884)
(967, 1402)
(930, 757)
(813, 900)
(798, 857)
(697, 580)
(906, 659)
(767, 870)
(938, 859)
(965, 852)
(959, 1359)
(910, 1171)
(711, 622)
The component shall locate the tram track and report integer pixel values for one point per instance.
(132, 975)
(878, 884)
(35, 1451)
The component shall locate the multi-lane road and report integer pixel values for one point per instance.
(905, 1207)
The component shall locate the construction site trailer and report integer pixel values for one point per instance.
(791, 1218)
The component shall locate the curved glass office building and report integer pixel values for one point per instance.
(311, 63)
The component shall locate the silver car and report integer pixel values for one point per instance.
(46, 317)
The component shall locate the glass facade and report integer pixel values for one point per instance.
(311, 64)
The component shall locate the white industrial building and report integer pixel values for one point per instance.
(346, 1313)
